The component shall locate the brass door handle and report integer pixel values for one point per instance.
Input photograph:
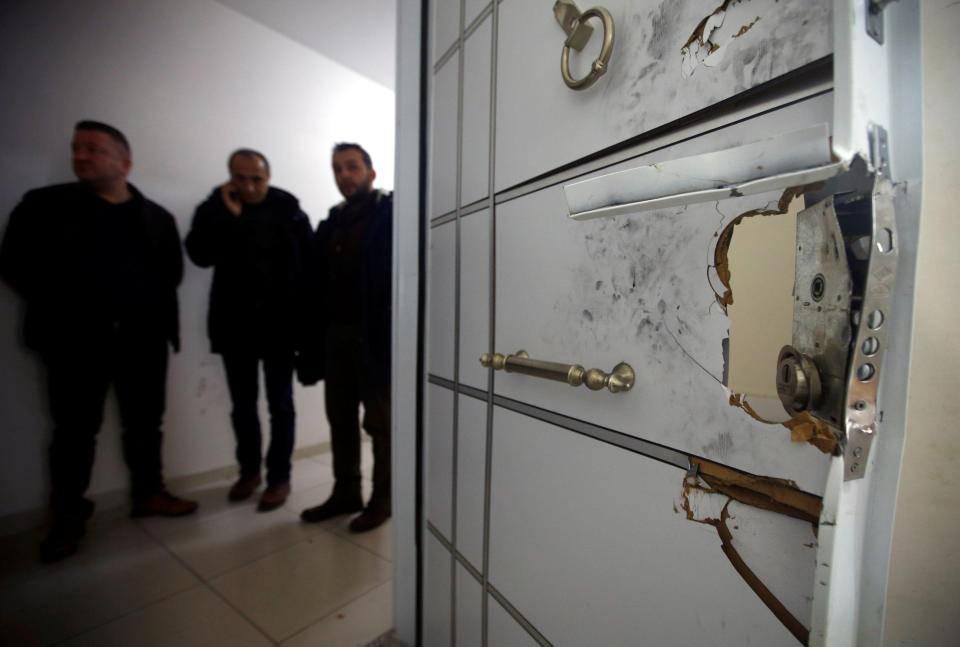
(619, 380)
(574, 23)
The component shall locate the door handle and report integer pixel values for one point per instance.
(619, 380)
(574, 24)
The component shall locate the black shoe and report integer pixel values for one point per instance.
(332, 507)
(372, 517)
(63, 540)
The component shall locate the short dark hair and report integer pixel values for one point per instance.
(100, 127)
(348, 146)
(248, 152)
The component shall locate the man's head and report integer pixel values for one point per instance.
(250, 175)
(101, 154)
(353, 170)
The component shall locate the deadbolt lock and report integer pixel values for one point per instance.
(798, 381)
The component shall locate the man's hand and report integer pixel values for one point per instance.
(231, 198)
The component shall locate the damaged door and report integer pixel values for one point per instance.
(663, 292)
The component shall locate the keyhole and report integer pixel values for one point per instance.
(818, 287)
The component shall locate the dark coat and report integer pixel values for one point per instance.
(260, 272)
(375, 283)
(49, 256)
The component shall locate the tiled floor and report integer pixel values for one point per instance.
(225, 576)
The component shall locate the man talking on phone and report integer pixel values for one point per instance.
(258, 241)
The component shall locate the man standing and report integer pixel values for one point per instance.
(98, 266)
(259, 243)
(354, 262)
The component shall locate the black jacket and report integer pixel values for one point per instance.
(260, 259)
(52, 256)
(375, 283)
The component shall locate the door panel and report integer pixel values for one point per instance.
(476, 115)
(474, 297)
(436, 594)
(581, 530)
(441, 299)
(469, 610)
(472, 9)
(471, 472)
(503, 630)
(638, 289)
(439, 460)
(542, 124)
(446, 27)
(443, 167)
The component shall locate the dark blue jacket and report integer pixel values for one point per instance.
(375, 284)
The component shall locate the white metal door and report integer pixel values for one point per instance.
(595, 227)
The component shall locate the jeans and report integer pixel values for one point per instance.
(243, 383)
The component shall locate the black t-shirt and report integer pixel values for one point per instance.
(118, 260)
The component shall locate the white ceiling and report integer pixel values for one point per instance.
(359, 34)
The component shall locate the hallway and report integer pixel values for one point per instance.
(226, 576)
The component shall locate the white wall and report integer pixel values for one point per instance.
(187, 81)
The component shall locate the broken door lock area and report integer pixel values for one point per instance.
(846, 260)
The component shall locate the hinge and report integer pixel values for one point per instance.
(875, 18)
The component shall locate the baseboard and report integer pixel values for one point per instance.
(114, 500)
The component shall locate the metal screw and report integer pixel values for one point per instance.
(857, 452)
(855, 467)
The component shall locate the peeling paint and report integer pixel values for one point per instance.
(711, 38)
(708, 491)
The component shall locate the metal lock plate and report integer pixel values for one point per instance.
(845, 269)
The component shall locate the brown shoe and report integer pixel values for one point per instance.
(244, 488)
(274, 497)
(163, 504)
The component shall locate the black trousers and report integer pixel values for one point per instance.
(344, 390)
(77, 381)
(243, 381)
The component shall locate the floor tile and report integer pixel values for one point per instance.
(212, 500)
(218, 544)
(357, 623)
(378, 541)
(289, 590)
(196, 618)
(119, 569)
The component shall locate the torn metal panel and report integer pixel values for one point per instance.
(777, 495)
(716, 32)
(804, 428)
(767, 528)
(796, 158)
